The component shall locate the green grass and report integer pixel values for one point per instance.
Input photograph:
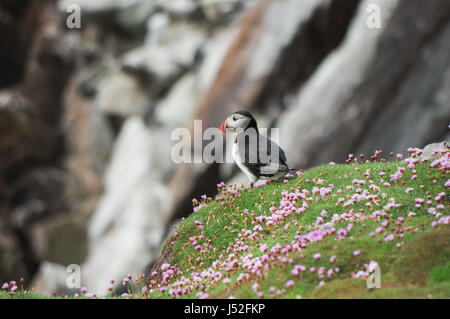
(416, 264)
(419, 268)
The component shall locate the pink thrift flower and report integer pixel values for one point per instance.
(372, 266)
(330, 272)
(165, 266)
(263, 248)
(289, 284)
(316, 256)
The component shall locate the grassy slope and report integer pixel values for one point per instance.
(418, 268)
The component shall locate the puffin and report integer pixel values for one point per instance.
(257, 156)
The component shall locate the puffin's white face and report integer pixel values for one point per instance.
(235, 123)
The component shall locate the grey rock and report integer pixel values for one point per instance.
(180, 7)
(214, 53)
(253, 57)
(134, 17)
(11, 263)
(133, 240)
(420, 110)
(51, 279)
(168, 52)
(61, 240)
(216, 10)
(121, 94)
(98, 6)
(430, 148)
(178, 107)
(350, 89)
(129, 221)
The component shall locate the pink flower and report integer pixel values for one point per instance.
(330, 272)
(165, 266)
(333, 258)
(372, 266)
(342, 232)
(316, 256)
(226, 281)
(263, 248)
(389, 238)
(356, 252)
(289, 284)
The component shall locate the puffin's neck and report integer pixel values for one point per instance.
(252, 124)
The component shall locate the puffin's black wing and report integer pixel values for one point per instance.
(260, 155)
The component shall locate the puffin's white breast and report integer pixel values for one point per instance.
(240, 162)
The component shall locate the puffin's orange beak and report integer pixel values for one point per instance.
(222, 128)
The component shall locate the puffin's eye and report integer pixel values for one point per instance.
(234, 118)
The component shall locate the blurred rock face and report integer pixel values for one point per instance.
(86, 115)
(38, 61)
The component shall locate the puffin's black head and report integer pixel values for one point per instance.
(240, 120)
